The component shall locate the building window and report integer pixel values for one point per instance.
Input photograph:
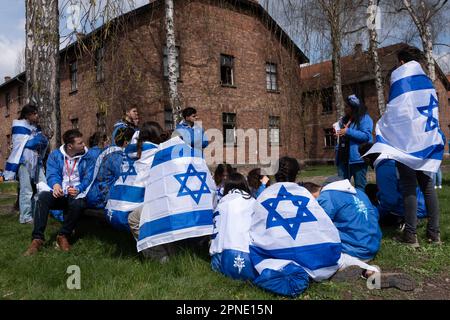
(358, 90)
(229, 128)
(20, 95)
(73, 76)
(274, 130)
(271, 77)
(7, 103)
(326, 98)
(226, 70)
(101, 121)
(168, 119)
(99, 70)
(74, 122)
(329, 139)
(166, 63)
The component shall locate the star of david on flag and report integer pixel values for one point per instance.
(183, 179)
(427, 111)
(131, 171)
(291, 225)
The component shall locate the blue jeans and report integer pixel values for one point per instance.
(437, 178)
(356, 170)
(26, 194)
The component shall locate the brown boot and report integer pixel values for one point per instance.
(34, 247)
(62, 243)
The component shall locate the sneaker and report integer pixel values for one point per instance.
(410, 239)
(62, 243)
(434, 238)
(347, 274)
(34, 247)
(440, 187)
(400, 281)
(435, 187)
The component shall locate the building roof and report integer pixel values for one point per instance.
(356, 68)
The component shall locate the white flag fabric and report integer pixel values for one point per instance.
(21, 133)
(409, 130)
(128, 191)
(230, 242)
(179, 197)
(290, 226)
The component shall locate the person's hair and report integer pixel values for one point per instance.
(124, 134)
(96, 139)
(409, 54)
(371, 190)
(220, 170)
(150, 131)
(70, 135)
(311, 187)
(125, 109)
(236, 181)
(254, 178)
(363, 148)
(187, 112)
(27, 109)
(288, 169)
(359, 109)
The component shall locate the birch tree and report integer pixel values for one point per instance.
(172, 62)
(42, 64)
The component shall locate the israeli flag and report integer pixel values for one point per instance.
(179, 197)
(409, 130)
(21, 133)
(128, 192)
(290, 226)
(230, 242)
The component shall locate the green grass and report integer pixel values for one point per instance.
(111, 268)
(8, 187)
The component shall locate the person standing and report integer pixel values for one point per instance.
(26, 159)
(190, 132)
(357, 128)
(130, 119)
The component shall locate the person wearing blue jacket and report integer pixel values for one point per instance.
(190, 132)
(107, 170)
(130, 119)
(353, 215)
(356, 128)
(68, 175)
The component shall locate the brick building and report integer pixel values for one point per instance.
(319, 110)
(237, 67)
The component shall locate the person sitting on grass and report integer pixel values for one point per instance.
(357, 222)
(230, 240)
(67, 175)
(257, 182)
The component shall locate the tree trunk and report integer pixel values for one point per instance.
(42, 64)
(172, 63)
(373, 40)
(337, 76)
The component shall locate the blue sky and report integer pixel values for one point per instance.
(12, 38)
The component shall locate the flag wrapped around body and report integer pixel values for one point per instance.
(409, 130)
(128, 191)
(291, 231)
(230, 242)
(179, 197)
(21, 133)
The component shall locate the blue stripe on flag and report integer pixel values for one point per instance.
(13, 167)
(412, 83)
(435, 152)
(20, 130)
(176, 222)
(181, 150)
(127, 193)
(313, 257)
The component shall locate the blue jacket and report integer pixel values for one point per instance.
(107, 175)
(358, 135)
(256, 192)
(117, 126)
(55, 167)
(194, 136)
(38, 143)
(355, 218)
(389, 194)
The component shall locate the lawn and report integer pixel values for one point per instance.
(111, 268)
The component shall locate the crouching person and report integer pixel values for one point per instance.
(230, 242)
(67, 176)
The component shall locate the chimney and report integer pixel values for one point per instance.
(7, 78)
(358, 49)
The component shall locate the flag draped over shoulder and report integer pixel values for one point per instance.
(230, 242)
(409, 130)
(179, 197)
(292, 234)
(21, 133)
(128, 191)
